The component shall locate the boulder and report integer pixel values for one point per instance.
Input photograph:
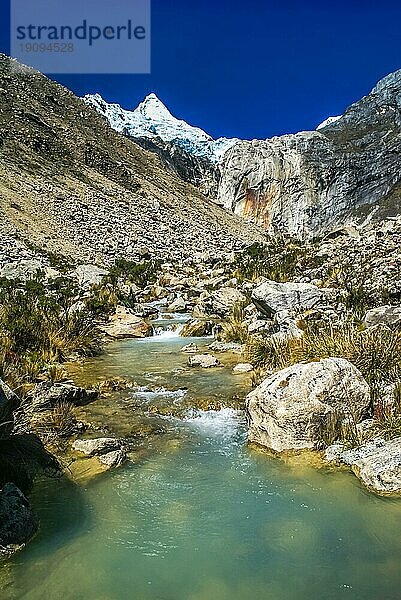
(271, 297)
(384, 315)
(113, 459)
(304, 405)
(97, 446)
(124, 324)
(47, 395)
(221, 302)
(190, 349)
(27, 269)
(17, 521)
(196, 328)
(226, 347)
(242, 368)
(88, 275)
(178, 305)
(203, 360)
(377, 463)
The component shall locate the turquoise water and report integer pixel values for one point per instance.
(204, 517)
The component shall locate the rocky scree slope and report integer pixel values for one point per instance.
(71, 185)
(304, 183)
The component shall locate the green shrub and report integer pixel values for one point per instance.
(376, 352)
(141, 274)
(279, 260)
(37, 328)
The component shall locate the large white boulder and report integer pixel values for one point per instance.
(271, 297)
(305, 404)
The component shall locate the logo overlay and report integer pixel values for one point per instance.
(82, 36)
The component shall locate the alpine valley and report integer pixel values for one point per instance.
(200, 352)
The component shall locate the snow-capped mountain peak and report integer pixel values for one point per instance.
(153, 108)
(152, 119)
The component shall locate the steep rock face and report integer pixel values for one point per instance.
(71, 185)
(198, 170)
(301, 184)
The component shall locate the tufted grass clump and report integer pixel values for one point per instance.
(234, 329)
(387, 417)
(376, 352)
(268, 352)
(38, 329)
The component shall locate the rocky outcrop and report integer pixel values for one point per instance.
(198, 170)
(302, 184)
(17, 521)
(70, 185)
(271, 297)
(124, 324)
(384, 315)
(304, 405)
(377, 463)
(47, 395)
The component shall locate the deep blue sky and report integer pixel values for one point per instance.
(255, 68)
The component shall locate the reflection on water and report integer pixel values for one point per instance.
(204, 517)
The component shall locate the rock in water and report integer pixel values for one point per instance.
(113, 459)
(17, 522)
(243, 368)
(203, 360)
(305, 404)
(97, 446)
(124, 324)
(377, 463)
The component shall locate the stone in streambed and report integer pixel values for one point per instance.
(242, 368)
(17, 521)
(113, 459)
(305, 404)
(125, 324)
(206, 361)
(377, 463)
(190, 349)
(96, 446)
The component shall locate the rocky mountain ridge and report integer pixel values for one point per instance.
(300, 184)
(71, 185)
